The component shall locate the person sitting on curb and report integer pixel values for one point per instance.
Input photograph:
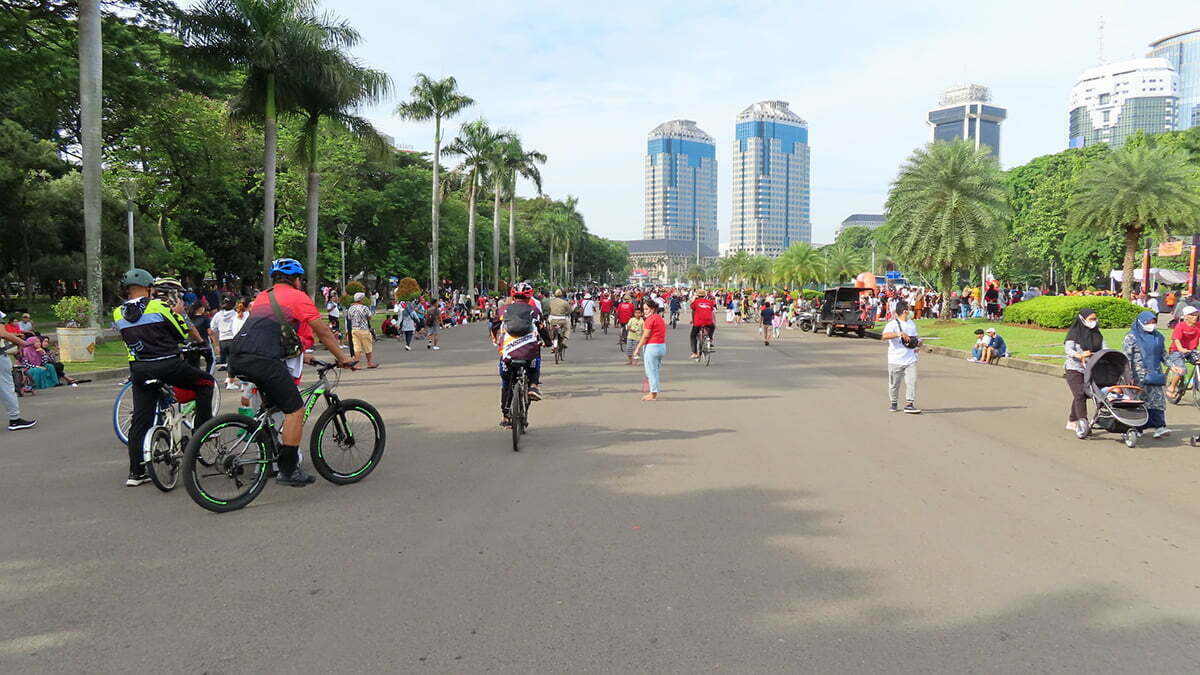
(996, 346)
(981, 343)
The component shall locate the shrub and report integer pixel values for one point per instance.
(408, 289)
(355, 287)
(1058, 311)
(72, 310)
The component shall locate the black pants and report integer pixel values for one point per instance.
(695, 336)
(145, 398)
(1079, 399)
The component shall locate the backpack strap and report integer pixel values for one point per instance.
(275, 306)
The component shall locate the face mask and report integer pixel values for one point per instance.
(1092, 323)
(1149, 327)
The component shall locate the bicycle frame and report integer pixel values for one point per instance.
(266, 425)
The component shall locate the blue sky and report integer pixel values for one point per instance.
(585, 83)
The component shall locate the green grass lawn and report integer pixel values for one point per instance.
(1035, 344)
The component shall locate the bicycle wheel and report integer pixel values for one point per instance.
(226, 464)
(1180, 390)
(707, 356)
(348, 441)
(122, 414)
(162, 462)
(557, 356)
(1194, 385)
(517, 413)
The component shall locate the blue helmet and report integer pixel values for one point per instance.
(288, 266)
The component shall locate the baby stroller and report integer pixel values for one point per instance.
(1119, 407)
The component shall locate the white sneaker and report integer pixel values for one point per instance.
(1072, 426)
(407, 348)
(436, 347)
(1162, 431)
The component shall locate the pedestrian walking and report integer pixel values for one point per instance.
(8, 389)
(358, 320)
(903, 343)
(653, 346)
(1146, 350)
(1083, 340)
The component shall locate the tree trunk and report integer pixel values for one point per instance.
(437, 207)
(551, 261)
(512, 233)
(313, 206)
(1132, 235)
(947, 280)
(90, 92)
(496, 237)
(471, 233)
(270, 140)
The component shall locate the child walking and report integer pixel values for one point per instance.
(635, 334)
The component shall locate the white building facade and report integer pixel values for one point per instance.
(681, 184)
(771, 197)
(1109, 103)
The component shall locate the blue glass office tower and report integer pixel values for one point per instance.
(770, 180)
(681, 184)
(1182, 51)
(964, 113)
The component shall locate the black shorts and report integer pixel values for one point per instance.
(272, 378)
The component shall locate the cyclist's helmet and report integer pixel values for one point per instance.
(167, 284)
(522, 290)
(287, 267)
(137, 277)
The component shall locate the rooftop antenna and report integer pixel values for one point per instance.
(1100, 41)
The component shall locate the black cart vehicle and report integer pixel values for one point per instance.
(840, 312)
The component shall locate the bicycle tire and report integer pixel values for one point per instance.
(707, 353)
(1180, 390)
(122, 414)
(162, 464)
(516, 414)
(209, 429)
(321, 455)
(1195, 387)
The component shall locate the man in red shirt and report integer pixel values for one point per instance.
(702, 319)
(1184, 338)
(606, 308)
(256, 354)
(624, 314)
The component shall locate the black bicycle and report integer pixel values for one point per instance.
(558, 339)
(706, 345)
(230, 458)
(588, 328)
(518, 402)
(674, 318)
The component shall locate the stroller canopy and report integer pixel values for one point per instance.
(1106, 368)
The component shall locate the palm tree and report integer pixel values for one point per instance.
(948, 205)
(734, 266)
(1141, 190)
(436, 100)
(90, 108)
(841, 263)
(496, 167)
(348, 86)
(475, 143)
(570, 229)
(696, 273)
(758, 270)
(271, 40)
(518, 162)
(799, 264)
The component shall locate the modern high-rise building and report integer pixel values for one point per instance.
(873, 221)
(770, 180)
(681, 184)
(1111, 102)
(965, 113)
(1182, 51)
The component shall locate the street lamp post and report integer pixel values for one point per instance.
(431, 284)
(129, 187)
(342, 227)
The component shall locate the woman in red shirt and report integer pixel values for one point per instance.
(653, 346)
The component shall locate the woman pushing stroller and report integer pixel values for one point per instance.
(1146, 350)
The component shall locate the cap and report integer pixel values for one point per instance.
(359, 296)
(1189, 310)
(990, 330)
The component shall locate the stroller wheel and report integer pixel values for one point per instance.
(1194, 441)
(1131, 438)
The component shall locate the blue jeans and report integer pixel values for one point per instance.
(652, 356)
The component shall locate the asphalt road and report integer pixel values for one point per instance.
(767, 514)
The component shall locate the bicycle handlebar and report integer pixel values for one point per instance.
(324, 366)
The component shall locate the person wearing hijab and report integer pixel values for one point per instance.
(1083, 340)
(1146, 350)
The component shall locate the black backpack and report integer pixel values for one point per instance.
(518, 319)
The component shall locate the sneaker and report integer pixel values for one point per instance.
(17, 424)
(1082, 429)
(136, 479)
(535, 394)
(1161, 431)
(505, 423)
(297, 478)
(407, 348)
(892, 407)
(232, 387)
(1072, 426)
(911, 409)
(435, 347)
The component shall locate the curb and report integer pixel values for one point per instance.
(1051, 369)
(99, 375)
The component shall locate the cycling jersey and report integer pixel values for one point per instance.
(606, 305)
(624, 312)
(151, 330)
(702, 312)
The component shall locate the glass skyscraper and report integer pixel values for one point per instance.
(770, 180)
(963, 113)
(681, 184)
(1111, 102)
(1182, 51)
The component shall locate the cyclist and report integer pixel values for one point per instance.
(559, 310)
(1185, 337)
(676, 304)
(624, 314)
(520, 335)
(153, 332)
(702, 320)
(257, 354)
(588, 309)
(606, 308)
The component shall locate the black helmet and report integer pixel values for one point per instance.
(137, 277)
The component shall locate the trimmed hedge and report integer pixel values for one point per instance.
(1058, 311)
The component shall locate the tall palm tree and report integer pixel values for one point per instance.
(734, 266)
(437, 100)
(518, 162)
(948, 205)
(572, 229)
(758, 270)
(333, 99)
(496, 167)
(798, 265)
(841, 263)
(90, 105)
(1141, 190)
(270, 40)
(475, 144)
